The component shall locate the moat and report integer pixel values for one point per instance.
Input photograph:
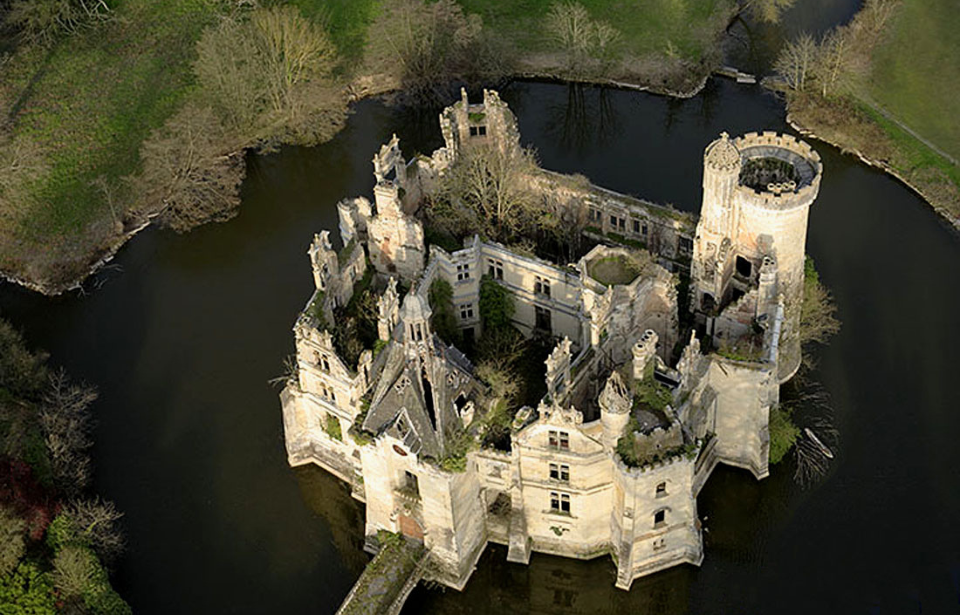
(183, 340)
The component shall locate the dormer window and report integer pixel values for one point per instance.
(559, 440)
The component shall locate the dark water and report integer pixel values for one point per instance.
(752, 44)
(184, 335)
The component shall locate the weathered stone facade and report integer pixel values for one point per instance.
(611, 460)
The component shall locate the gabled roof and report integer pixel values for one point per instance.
(400, 395)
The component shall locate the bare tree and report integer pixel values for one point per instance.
(797, 60)
(66, 423)
(424, 45)
(74, 571)
(588, 43)
(95, 523)
(833, 61)
(270, 77)
(189, 172)
(489, 187)
(769, 10)
(43, 21)
(818, 321)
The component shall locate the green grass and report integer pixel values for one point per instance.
(648, 26)
(916, 71)
(93, 99)
(914, 156)
(346, 20)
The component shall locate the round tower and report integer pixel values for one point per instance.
(615, 403)
(757, 192)
(779, 181)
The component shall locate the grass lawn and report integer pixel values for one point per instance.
(685, 28)
(916, 72)
(89, 102)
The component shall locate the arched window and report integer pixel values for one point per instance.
(661, 490)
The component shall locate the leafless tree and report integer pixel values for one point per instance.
(12, 544)
(797, 60)
(43, 21)
(833, 61)
(424, 45)
(489, 187)
(588, 43)
(769, 10)
(95, 524)
(818, 321)
(269, 77)
(74, 571)
(191, 172)
(66, 422)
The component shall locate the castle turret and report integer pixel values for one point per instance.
(615, 403)
(644, 351)
(323, 260)
(757, 192)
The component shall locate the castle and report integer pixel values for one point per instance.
(612, 457)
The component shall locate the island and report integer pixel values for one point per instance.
(635, 414)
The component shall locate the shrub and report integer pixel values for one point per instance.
(443, 321)
(12, 544)
(332, 426)
(783, 432)
(496, 304)
(27, 591)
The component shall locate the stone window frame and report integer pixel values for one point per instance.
(463, 272)
(661, 491)
(466, 311)
(560, 472)
(541, 286)
(495, 269)
(660, 519)
(560, 503)
(558, 440)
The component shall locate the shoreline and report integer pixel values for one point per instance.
(946, 216)
(361, 88)
(371, 86)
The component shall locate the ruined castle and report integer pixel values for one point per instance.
(634, 419)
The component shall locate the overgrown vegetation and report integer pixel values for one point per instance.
(443, 320)
(423, 46)
(883, 85)
(487, 191)
(54, 542)
(332, 428)
(818, 321)
(356, 323)
(783, 432)
(115, 120)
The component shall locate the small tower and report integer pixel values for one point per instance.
(323, 260)
(417, 336)
(615, 403)
(388, 311)
(644, 351)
